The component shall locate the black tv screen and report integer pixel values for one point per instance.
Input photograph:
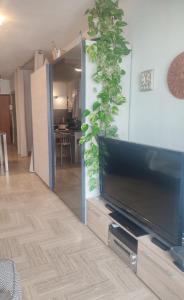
(145, 183)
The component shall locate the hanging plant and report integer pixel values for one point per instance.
(106, 24)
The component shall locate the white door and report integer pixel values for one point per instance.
(42, 129)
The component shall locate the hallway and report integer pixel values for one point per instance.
(57, 257)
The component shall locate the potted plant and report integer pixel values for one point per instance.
(106, 27)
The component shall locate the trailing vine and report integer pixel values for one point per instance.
(106, 26)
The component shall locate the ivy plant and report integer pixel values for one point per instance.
(106, 26)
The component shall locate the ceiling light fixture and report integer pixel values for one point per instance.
(2, 19)
(78, 70)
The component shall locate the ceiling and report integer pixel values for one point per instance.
(64, 69)
(33, 24)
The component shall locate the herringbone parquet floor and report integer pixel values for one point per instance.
(57, 257)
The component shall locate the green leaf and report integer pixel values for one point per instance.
(96, 105)
(95, 130)
(92, 33)
(90, 18)
(112, 132)
(115, 110)
(82, 140)
(95, 149)
(120, 99)
(92, 183)
(87, 11)
(88, 137)
(101, 115)
(86, 113)
(84, 127)
(88, 162)
(104, 96)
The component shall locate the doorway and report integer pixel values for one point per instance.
(5, 118)
(67, 108)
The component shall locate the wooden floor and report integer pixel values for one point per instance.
(57, 257)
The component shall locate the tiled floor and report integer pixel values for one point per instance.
(57, 257)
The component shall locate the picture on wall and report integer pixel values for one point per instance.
(175, 77)
(146, 82)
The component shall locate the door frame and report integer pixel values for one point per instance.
(83, 179)
(50, 126)
(9, 135)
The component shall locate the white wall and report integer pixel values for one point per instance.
(40, 117)
(122, 120)
(155, 30)
(20, 113)
(60, 91)
(28, 108)
(23, 110)
(4, 87)
(74, 100)
(12, 83)
(63, 90)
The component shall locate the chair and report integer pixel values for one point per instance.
(66, 147)
(58, 144)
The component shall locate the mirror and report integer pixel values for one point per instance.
(67, 106)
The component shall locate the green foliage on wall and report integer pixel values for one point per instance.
(106, 26)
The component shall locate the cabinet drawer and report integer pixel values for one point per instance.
(98, 223)
(159, 276)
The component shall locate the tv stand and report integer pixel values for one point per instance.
(127, 224)
(157, 270)
(155, 265)
(109, 207)
(160, 244)
(177, 254)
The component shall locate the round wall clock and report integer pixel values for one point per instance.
(176, 77)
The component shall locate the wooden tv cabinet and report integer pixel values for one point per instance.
(154, 267)
(98, 218)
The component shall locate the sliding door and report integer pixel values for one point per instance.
(68, 102)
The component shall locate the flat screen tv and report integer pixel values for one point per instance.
(145, 183)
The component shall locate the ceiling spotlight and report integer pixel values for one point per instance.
(2, 19)
(78, 70)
